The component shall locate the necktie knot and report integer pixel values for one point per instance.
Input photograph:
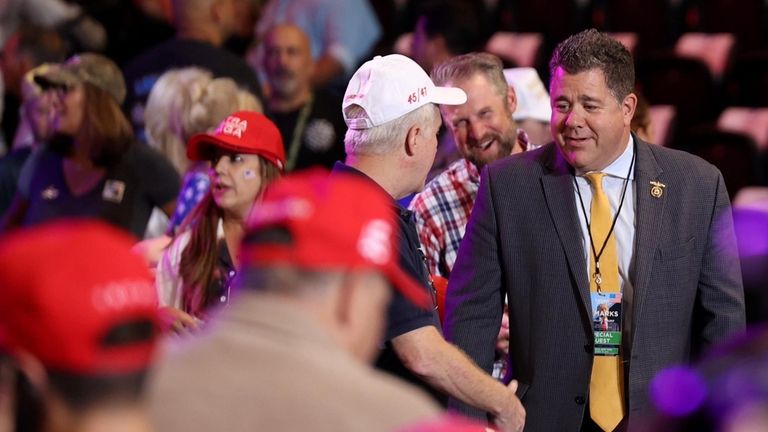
(596, 180)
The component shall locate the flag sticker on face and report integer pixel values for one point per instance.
(249, 174)
(233, 126)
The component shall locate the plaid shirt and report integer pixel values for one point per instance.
(442, 210)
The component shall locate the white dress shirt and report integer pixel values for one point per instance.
(613, 185)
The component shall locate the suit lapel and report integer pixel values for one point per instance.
(648, 214)
(559, 196)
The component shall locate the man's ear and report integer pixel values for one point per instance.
(628, 106)
(411, 139)
(511, 98)
(33, 369)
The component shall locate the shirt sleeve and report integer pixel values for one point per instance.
(161, 181)
(720, 298)
(404, 316)
(24, 185)
(167, 278)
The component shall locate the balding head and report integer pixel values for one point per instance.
(288, 62)
(288, 34)
(210, 20)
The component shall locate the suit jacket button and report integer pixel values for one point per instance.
(588, 348)
(579, 400)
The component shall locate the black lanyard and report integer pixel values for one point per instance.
(595, 253)
(298, 132)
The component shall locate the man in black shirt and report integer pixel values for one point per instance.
(309, 120)
(202, 27)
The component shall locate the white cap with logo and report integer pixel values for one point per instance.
(532, 96)
(391, 86)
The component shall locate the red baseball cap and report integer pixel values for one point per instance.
(338, 221)
(67, 289)
(246, 132)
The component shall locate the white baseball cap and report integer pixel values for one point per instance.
(532, 96)
(391, 86)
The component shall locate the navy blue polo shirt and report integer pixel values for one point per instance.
(402, 315)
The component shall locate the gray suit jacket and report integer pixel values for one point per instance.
(523, 238)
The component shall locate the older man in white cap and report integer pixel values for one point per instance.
(390, 109)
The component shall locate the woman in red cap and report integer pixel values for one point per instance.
(246, 154)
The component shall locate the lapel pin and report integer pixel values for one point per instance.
(657, 189)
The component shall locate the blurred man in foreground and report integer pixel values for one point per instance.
(78, 318)
(290, 351)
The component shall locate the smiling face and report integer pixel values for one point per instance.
(483, 126)
(236, 181)
(590, 126)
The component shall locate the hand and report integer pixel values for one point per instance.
(152, 249)
(178, 321)
(512, 419)
(502, 341)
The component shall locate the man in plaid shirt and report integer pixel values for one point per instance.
(484, 132)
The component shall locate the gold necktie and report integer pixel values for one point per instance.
(606, 396)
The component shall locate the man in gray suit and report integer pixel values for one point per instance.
(676, 272)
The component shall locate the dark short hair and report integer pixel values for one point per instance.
(81, 392)
(285, 279)
(591, 49)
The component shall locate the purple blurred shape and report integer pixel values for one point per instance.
(678, 391)
(751, 227)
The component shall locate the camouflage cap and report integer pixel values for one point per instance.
(91, 68)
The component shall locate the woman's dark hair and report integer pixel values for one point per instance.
(105, 127)
(198, 260)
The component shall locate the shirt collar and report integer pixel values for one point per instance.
(472, 172)
(342, 167)
(620, 166)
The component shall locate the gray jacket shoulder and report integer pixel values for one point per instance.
(681, 161)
